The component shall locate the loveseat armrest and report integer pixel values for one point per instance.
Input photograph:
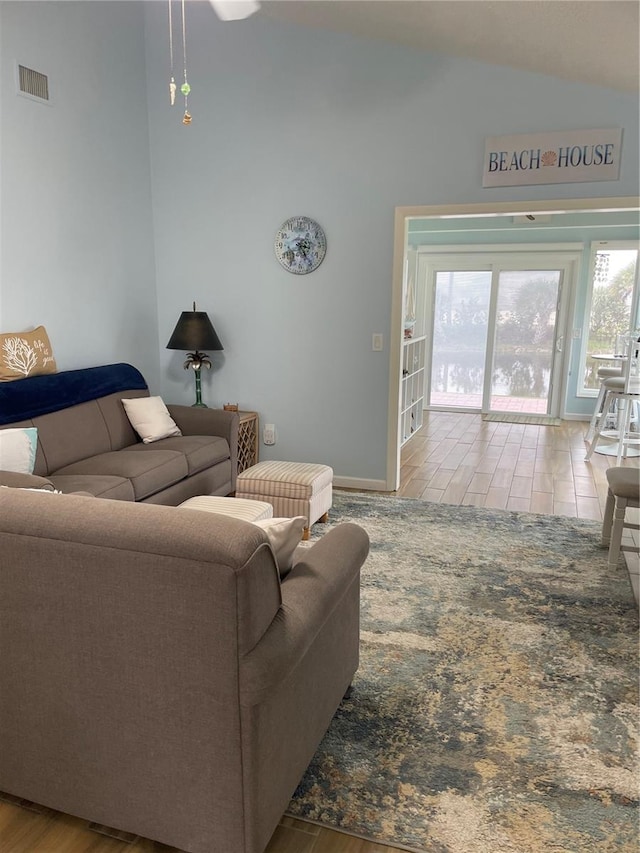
(328, 572)
(193, 420)
(25, 481)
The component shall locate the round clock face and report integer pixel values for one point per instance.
(300, 245)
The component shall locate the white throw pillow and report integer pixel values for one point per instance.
(18, 449)
(150, 418)
(284, 536)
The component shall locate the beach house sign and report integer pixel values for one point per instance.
(552, 158)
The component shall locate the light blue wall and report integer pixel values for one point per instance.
(285, 121)
(583, 228)
(76, 229)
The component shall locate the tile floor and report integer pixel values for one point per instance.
(458, 458)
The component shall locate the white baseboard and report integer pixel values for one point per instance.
(575, 416)
(363, 485)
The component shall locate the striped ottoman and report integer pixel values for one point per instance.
(292, 488)
(246, 510)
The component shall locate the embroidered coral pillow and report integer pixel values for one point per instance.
(150, 418)
(25, 354)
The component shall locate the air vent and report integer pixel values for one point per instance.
(33, 83)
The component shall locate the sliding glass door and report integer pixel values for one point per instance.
(459, 338)
(526, 340)
(496, 343)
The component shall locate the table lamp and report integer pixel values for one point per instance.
(194, 331)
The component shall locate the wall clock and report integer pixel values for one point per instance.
(300, 245)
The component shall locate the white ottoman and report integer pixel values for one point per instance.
(246, 510)
(292, 488)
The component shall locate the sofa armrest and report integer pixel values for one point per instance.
(25, 481)
(193, 420)
(329, 571)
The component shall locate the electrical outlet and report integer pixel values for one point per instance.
(269, 434)
(377, 342)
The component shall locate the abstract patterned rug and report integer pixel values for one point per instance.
(495, 709)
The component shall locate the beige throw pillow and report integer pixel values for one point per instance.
(25, 354)
(284, 536)
(150, 418)
(18, 447)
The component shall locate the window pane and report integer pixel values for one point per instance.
(611, 299)
(459, 338)
(525, 338)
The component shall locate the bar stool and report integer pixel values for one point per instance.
(623, 493)
(623, 392)
(602, 374)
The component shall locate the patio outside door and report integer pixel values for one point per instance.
(495, 339)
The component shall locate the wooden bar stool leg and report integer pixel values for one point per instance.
(597, 413)
(624, 425)
(607, 521)
(616, 531)
(601, 421)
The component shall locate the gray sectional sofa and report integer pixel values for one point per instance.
(157, 676)
(86, 442)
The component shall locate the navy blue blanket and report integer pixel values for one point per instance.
(22, 399)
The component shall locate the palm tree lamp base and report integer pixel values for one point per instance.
(198, 403)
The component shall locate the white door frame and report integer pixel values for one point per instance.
(400, 239)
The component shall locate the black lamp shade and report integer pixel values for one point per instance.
(194, 331)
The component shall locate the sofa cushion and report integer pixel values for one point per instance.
(121, 433)
(200, 451)
(149, 472)
(79, 432)
(100, 486)
(150, 418)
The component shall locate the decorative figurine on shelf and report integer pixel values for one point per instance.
(410, 309)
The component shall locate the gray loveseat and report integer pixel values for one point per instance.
(156, 674)
(86, 442)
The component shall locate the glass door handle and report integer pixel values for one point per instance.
(560, 343)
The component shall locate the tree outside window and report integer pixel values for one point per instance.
(614, 279)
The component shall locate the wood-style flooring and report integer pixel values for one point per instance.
(458, 458)
(454, 458)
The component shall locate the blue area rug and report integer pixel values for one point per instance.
(496, 705)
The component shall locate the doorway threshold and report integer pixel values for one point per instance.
(520, 418)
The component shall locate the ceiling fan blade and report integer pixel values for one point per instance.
(234, 10)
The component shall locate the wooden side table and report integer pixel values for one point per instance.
(247, 440)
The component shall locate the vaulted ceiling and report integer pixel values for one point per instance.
(590, 41)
